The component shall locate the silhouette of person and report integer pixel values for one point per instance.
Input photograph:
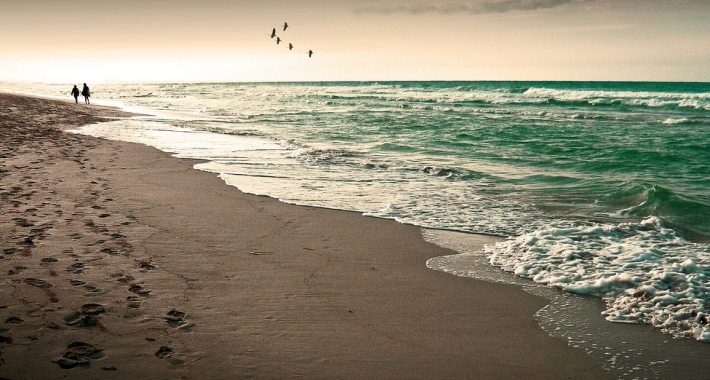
(75, 93)
(86, 93)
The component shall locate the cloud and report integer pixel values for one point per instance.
(476, 7)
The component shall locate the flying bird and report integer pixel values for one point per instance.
(290, 45)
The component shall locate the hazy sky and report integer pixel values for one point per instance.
(228, 40)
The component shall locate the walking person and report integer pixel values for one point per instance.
(75, 94)
(86, 93)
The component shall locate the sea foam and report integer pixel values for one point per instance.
(644, 271)
(674, 121)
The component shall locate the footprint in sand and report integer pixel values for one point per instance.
(123, 277)
(37, 283)
(98, 242)
(92, 309)
(76, 268)
(9, 251)
(109, 251)
(27, 242)
(16, 270)
(88, 315)
(14, 320)
(48, 261)
(21, 222)
(176, 319)
(78, 353)
(135, 288)
(146, 265)
(164, 352)
(92, 289)
(134, 302)
(44, 285)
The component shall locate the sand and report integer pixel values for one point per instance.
(119, 261)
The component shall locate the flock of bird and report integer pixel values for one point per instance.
(290, 46)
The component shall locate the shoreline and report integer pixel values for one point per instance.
(128, 250)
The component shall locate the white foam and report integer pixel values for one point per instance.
(672, 121)
(637, 98)
(644, 271)
(181, 141)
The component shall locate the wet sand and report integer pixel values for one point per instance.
(120, 261)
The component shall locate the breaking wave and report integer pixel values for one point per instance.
(644, 271)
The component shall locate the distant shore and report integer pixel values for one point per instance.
(120, 261)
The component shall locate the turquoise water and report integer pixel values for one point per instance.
(603, 188)
(592, 151)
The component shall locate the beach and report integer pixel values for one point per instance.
(122, 261)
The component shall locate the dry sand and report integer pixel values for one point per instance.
(119, 261)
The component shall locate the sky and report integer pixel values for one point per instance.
(67, 41)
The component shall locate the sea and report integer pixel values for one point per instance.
(599, 190)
